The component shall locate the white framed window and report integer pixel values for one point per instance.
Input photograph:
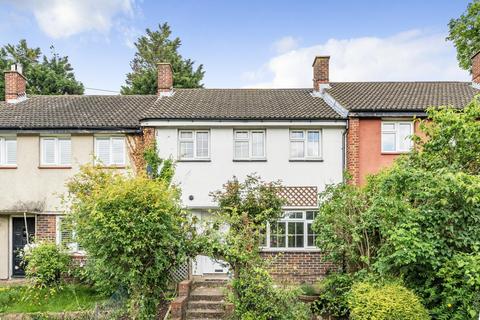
(193, 144)
(305, 144)
(110, 150)
(396, 136)
(55, 151)
(293, 231)
(249, 144)
(66, 235)
(8, 151)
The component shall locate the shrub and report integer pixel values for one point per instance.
(45, 264)
(256, 298)
(384, 302)
(334, 290)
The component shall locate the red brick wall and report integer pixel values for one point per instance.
(476, 68)
(297, 267)
(165, 77)
(46, 227)
(353, 150)
(320, 71)
(15, 85)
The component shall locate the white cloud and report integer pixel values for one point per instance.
(64, 18)
(408, 56)
(285, 44)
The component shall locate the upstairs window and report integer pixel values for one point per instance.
(110, 150)
(55, 151)
(8, 151)
(249, 144)
(293, 231)
(193, 144)
(396, 136)
(305, 144)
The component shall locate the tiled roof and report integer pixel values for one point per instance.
(400, 96)
(76, 112)
(235, 104)
(299, 196)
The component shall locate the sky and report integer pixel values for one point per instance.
(246, 44)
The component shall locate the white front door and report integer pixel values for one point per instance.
(205, 265)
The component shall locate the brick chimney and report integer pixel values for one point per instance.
(15, 84)
(320, 72)
(165, 79)
(476, 69)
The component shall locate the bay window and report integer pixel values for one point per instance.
(293, 231)
(249, 144)
(305, 144)
(194, 144)
(396, 136)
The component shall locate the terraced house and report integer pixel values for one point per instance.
(304, 137)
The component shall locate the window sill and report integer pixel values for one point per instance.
(194, 160)
(54, 167)
(290, 250)
(393, 152)
(8, 167)
(249, 160)
(305, 160)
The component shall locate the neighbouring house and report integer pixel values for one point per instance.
(304, 137)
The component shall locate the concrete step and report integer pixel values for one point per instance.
(207, 294)
(204, 314)
(206, 304)
(210, 283)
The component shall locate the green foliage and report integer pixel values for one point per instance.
(334, 290)
(258, 299)
(158, 168)
(465, 34)
(134, 231)
(153, 48)
(384, 302)
(418, 217)
(17, 299)
(46, 263)
(47, 76)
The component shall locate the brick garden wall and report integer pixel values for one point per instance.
(297, 267)
(46, 229)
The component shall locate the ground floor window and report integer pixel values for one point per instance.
(66, 235)
(294, 231)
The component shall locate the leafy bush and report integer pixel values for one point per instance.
(384, 302)
(256, 298)
(334, 291)
(134, 231)
(45, 264)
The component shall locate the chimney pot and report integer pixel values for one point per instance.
(476, 69)
(15, 84)
(164, 79)
(320, 71)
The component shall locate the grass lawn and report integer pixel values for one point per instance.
(16, 299)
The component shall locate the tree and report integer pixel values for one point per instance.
(465, 34)
(51, 76)
(419, 218)
(152, 48)
(134, 232)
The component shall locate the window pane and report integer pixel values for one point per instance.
(404, 133)
(241, 149)
(295, 235)
(277, 235)
(296, 149)
(65, 151)
(388, 142)
(313, 144)
(241, 134)
(295, 215)
(48, 151)
(296, 134)
(258, 144)
(186, 150)
(310, 236)
(186, 134)
(388, 126)
(311, 215)
(118, 151)
(103, 150)
(10, 151)
(202, 144)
